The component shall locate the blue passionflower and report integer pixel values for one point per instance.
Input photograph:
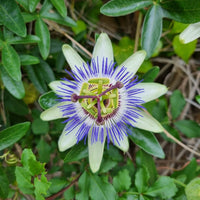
(101, 99)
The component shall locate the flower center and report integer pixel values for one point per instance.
(99, 98)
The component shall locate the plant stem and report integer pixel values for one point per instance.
(179, 183)
(137, 36)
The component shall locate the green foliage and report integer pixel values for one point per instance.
(126, 45)
(32, 169)
(120, 7)
(184, 50)
(31, 37)
(152, 29)
(181, 11)
(177, 102)
(12, 134)
(192, 189)
(189, 128)
(146, 141)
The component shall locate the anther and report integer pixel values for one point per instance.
(74, 97)
(119, 84)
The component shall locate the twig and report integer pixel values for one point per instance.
(63, 190)
(180, 143)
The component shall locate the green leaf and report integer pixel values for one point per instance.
(30, 163)
(101, 190)
(184, 50)
(147, 141)
(29, 39)
(12, 134)
(4, 186)
(41, 186)
(83, 183)
(60, 7)
(10, 17)
(126, 45)
(151, 74)
(36, 167)
(23, 179)
(146, 161)
(29, 17)
(122, 181)
(47, 72)
(23, 3)
(178, 27)
(152, 29)
(11, 62)
(13, 105)
(198, 99)
(42, 32)
(80, 27)
(26, 155)
(48, 100)
(123, 7)
(16, 88)
(145, 67)
(107, 165)
(141, 180)
(44, 150)
(57, 184)
(40, 127)
(164, 187)
(192, 189)
(189, 128)
(77, 152)
(36, 78)
(33, 4)
(177, 103)
(67, 21)
(183, 11)
(29, 60)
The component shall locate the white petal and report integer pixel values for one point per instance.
(103, 49)
(151, 91)
(53, 112)
(124, 144)
(133, 62)
(96, 150)
(56, 85)
(191, 33)
(72, 57)
(66, 141)
(147, 122)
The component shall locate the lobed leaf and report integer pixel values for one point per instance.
(101, 190)
(164, 187)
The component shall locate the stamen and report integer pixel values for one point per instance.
(99, 120)
(118, 85)
(75, 97)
